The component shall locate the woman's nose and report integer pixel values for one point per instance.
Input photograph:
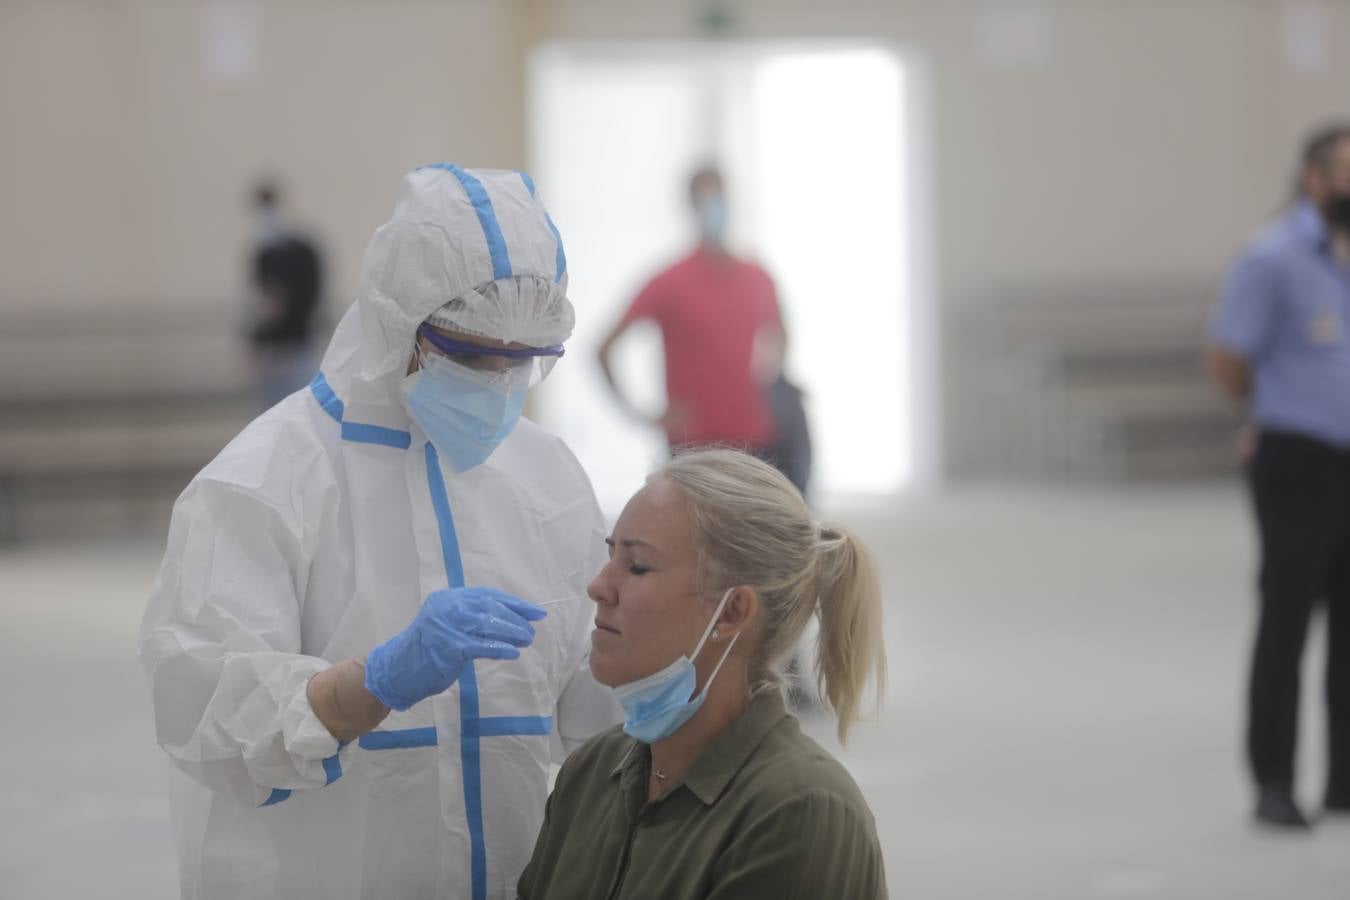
(599, 589)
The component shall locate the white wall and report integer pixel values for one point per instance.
(1074, 142)
(128, 155)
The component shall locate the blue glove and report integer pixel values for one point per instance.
(452, 628)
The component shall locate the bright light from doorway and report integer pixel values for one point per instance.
(828, 199)
(815, 147)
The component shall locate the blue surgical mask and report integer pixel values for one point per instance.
(657, 706)
(712, 217)
(465, 413)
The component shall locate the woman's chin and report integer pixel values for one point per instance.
(601, 670)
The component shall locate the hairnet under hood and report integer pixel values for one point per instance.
(478, 237)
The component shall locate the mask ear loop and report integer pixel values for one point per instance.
(707, 631)
(416, 361)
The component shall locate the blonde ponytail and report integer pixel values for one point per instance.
(751, 527)
(850, 650)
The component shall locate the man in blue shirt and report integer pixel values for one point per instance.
(1281, 342)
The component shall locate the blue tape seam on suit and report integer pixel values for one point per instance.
(323, 393)
(470, 762)
(277, 795)
(561, 260)
(399, 739)
(356, 432)
(472, 727)
(487, 218)
(490, 726)
(361, 433)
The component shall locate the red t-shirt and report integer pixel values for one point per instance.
(710, 308)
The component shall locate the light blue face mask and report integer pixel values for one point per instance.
(657, 706)
(465, 413)
(711, 210)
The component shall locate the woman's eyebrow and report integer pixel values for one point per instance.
(627, 543)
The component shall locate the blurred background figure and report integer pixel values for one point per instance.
(1281, 346)
(724, 342)
(286, 277)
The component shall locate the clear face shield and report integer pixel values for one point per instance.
(503, 369)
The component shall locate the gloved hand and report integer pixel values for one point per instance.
(453, 627)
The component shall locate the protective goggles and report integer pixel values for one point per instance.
(525, 365)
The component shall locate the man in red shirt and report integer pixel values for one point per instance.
(723, 339)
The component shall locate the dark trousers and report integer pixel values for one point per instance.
(1301, 489)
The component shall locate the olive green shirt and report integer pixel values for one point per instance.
(762, 812)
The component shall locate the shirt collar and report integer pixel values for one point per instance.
(1309, 225)
(718, 764)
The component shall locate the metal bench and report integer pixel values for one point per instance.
(1099, 384)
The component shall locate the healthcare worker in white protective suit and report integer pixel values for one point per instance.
(315, 580)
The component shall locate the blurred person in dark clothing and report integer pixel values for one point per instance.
(286, 275)
(724, 341)
(1281, 343)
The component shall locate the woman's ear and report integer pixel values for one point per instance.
(737, 614)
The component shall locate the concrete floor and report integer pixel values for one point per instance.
(1062, 719)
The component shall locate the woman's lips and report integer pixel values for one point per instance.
(601, 626)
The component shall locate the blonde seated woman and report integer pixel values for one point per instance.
(710, 789)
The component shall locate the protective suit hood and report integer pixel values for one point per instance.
(479, 240)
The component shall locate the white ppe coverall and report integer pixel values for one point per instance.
(317, 533)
